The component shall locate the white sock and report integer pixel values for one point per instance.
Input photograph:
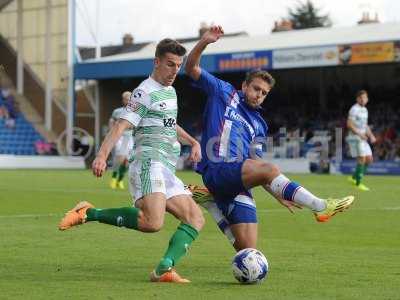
(282, 187)
(219, 218)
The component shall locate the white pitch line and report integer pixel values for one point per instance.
(30, 216)
(272, 210)
(67, 191)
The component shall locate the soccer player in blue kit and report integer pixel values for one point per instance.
(230, 144)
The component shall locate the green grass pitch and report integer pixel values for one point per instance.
(354, 256)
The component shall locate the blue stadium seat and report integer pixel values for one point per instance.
(19, 140)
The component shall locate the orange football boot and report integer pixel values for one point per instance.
(75, 216)
(169, 276)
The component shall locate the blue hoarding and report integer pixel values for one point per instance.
(243, 61)
(376, 168)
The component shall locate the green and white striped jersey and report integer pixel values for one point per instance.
(116, 114)
(153, 111)
(359, 116)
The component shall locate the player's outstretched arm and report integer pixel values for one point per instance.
(192, 66)
(99, 164)
(186, 139)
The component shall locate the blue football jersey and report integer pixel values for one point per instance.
(232, 130)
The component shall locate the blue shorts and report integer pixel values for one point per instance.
(224, 181)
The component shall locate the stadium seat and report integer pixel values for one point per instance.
(19, 140)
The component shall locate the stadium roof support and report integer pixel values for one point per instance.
(20, 44)
(48, 93)
(71, 79)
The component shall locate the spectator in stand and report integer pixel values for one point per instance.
(8, 107)
(42, 147)
(3, 109)
(45, 148)
(390, 133)
(397, 150)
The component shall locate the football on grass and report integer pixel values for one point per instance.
(250, 266)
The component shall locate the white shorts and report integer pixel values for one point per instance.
(359, 148)
(146, 177)
(124, 146)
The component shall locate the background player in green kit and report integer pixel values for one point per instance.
(122, 148)
(152, 112)
(357, 139)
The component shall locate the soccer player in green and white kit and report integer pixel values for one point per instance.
(152, 112)
(357, 139)
(122, 148)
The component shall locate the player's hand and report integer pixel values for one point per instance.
(363, 136)
(290, 205)
(213, 34)
(99, 166)
(195, 153)
(372, 139)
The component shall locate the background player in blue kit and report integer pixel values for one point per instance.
(230, 165)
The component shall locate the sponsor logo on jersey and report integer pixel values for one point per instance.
(231, 114)
(170, 122)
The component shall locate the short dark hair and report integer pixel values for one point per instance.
(169, 46)
(262, 74)
(361, 92)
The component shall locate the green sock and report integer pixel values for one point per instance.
(121, 171)
(358, 173)
(178, 246)
(114, 174)
(365, 169)
(121, 217)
